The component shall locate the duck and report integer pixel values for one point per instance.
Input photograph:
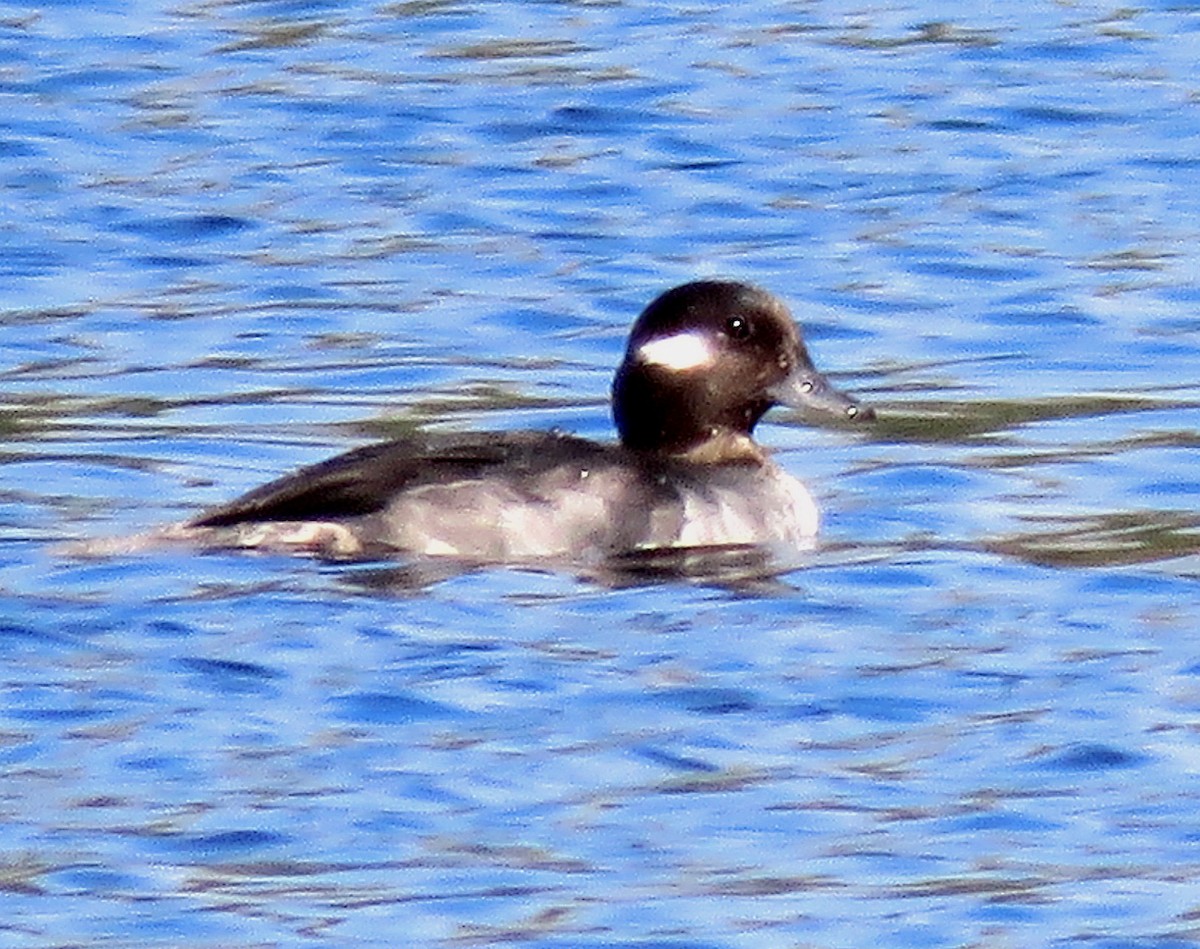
(703, 363)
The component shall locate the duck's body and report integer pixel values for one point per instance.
(526, 496)
(704, 362)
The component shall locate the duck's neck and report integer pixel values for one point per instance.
(725, 448)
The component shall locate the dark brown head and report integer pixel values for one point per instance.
(704, 363)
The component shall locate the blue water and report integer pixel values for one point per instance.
(240, 237)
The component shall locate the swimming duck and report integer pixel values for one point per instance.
(704, 362)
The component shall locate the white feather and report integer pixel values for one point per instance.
(681, 352)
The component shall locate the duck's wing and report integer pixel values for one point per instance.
(363, 481)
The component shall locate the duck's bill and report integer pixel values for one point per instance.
(809, 391)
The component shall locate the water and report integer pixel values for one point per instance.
(237, 238)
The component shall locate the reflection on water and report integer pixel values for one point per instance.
(241, 238)
(1127, 537)
(961, 422)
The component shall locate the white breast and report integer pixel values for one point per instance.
(774, 508)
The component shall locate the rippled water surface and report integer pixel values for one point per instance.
(237, 238)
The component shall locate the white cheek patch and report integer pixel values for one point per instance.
(678, 353)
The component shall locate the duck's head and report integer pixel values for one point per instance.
(705, 361)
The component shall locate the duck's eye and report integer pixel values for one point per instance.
(737, 328)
